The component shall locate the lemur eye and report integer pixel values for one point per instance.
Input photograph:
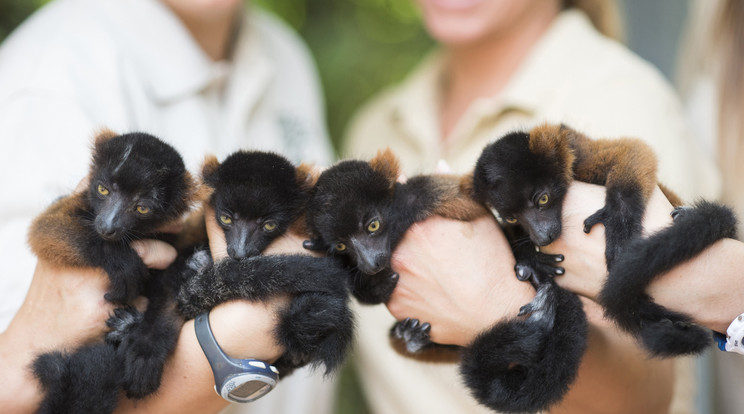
(543, 200)
(340, 247)
(225, 219)
(143, 210)
(511, 220)
(270, 226)
(373, 226)
(103, 190)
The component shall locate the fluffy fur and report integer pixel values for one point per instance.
(664, 332)
(137, 183)
(257, 197)
(546, 159)
(358, 212)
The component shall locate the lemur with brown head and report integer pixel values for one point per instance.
(525, 176)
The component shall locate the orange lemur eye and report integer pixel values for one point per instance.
(270, 225)
(143, 209)
(103, 190)
(543, 200)
(511, 220)
(225, 219)
(340, 247)
(373, 226)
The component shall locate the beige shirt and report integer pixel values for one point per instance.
(573, 75)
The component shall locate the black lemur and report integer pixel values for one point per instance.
(257, 197)
(547, 158)
(137, 183)
(358, 212)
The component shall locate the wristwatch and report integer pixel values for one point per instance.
(236, 380)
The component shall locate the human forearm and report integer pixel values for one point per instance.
(708, 287)
(243, 330)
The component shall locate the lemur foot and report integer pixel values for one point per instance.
(413, 333)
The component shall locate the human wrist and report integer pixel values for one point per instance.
(246, 329)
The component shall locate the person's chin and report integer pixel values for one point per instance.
(454, 5)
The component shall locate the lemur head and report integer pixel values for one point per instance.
(350, 210)
(256, 196)
(524, 176)
(137, 183)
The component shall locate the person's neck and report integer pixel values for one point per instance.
(214, 35)
(482, 69)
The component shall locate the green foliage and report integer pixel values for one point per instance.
(360, 46)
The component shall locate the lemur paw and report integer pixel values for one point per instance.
(199, 260)
(600, 216)
(413, 333)
(121, 323)
(680, 211)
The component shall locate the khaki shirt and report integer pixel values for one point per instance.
(573, 75)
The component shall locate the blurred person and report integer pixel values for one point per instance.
(500, 66)
(204, 76)
(712, 84)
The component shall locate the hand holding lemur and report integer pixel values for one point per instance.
(452, 276)
(585, 269)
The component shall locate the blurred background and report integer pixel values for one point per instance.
(361, 46)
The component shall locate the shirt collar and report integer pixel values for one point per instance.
(163, 49)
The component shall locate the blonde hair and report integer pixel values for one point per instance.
(604, 14)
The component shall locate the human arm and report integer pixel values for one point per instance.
(460, 278)
(708, 287)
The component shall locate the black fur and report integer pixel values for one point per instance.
(527, 364)
(316, 328)
(351, 196)
(662, 331)
(257, 196)
(250, 190)
(137, 183)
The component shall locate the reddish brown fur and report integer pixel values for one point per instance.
(103, 135)
(307, 176)
(387, 164)
(50, 233)
(625, 162)
(554, 142)
(456, 201)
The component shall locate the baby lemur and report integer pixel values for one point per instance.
(546, 159)
(257, 197)
(358, 212)
(136, 184)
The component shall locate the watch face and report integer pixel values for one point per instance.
(247, 387)
(250, 389)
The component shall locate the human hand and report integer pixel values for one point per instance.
(458, 276)
(584, 261)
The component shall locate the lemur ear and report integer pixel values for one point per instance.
(307, 175)
(386, 163)
(103, 135)
(209, 177)
(209, 170)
